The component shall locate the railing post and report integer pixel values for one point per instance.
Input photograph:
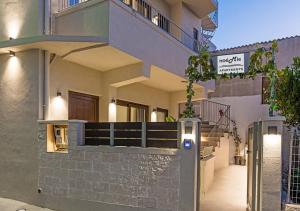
(112, 134)
(179, 135)
(144, 134)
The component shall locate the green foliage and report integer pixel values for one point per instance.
(287, 99)
(284, 88)
(200, 69)
(170, 119)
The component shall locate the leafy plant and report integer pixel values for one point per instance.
(236, 137)
(170, 119)
(201, 69)
(287, 99)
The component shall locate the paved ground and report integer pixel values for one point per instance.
(12, 205)
(228, 192)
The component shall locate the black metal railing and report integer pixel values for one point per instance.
(136, 134)
(213, 112)
(153, 15)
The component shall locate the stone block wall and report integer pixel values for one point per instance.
(134, 177)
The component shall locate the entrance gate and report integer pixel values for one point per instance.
(254, 167)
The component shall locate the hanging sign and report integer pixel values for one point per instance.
(234, 63)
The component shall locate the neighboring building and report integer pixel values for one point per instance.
(246, 97)
(69, 59)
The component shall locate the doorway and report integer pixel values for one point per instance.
(132, 112)
(83, 107)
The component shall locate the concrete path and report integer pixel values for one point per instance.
(12, 205)
(228, 191)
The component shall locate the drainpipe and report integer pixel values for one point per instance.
(46, 78)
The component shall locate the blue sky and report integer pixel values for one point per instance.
(248, 21)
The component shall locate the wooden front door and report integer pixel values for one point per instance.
(83, 107)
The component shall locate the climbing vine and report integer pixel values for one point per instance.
(200, 68)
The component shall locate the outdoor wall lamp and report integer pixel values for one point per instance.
(188, 136)
(112, 111)
(272, 139)
(154, 115)
(188, 129)
(272, 130)
(12, 54)
(58, 94)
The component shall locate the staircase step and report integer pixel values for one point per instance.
(209, 143)
(207, 126)
(212, 134)
(215, 139)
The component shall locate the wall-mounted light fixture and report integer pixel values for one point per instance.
(154, 115)
(272, 130)
(12, 53)
(58, 94)
(188, 136)
(112, 111)
(188, 129)
(272, 139)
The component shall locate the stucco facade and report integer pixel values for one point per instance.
(103, 48)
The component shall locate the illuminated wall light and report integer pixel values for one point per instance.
(154, 115)
(58, 107)
(188, 132)
(272, 139)
(59, 94)
(112, 111)
(13, 28)
(12, 54)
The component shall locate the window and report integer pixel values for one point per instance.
(162, 114)
(196, 38)
(131, 112)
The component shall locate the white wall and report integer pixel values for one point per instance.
(66, 76)
(244, 110)
(84, 21)
(20, 19)
(145, 95)
(162, 6)
(222, 153)
(138, 35)
(180, 97)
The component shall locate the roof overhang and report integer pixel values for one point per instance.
(201, 8)
(58, 44)
(89, 51)
(167, 81)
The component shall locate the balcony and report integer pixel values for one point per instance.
(149, 13)
(210, 23)
(202, 8)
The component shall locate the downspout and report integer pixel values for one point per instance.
(46, 69)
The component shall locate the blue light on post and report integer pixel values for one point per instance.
(187, 144)
(73, 2)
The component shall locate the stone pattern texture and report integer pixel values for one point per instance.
(110, 175)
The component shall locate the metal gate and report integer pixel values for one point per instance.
(254, 167)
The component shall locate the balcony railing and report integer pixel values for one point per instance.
(152, 15)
